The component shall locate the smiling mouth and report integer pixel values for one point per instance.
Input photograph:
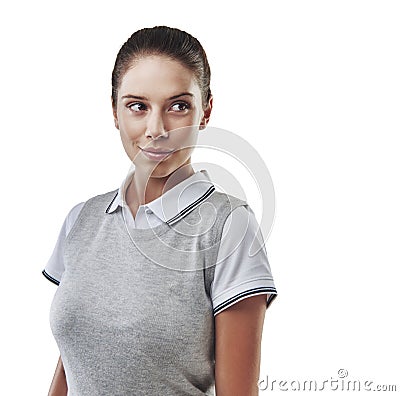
(156, 155)
(156, 151)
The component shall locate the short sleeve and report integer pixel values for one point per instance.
(54, 268)
(239, 273)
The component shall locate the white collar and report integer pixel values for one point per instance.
(174, 203)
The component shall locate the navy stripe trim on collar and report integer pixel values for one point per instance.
(191, 206)
(247, 293)
(50, 278)
(109, 206)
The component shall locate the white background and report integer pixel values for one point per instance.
(313, 85)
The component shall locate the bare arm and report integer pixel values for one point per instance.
(58, 386)
(238, 347)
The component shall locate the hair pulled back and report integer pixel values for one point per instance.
(170, 42)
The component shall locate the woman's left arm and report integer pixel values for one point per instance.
(238, 333)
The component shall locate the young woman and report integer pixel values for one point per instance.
(156, 294)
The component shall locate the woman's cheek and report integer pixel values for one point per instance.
(135, 132)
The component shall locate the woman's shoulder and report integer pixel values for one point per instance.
(225, 203)
(103, 197)
(99, 200)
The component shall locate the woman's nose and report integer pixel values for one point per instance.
(155, 126)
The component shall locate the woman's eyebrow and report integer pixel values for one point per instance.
(133, 97)
(144, 98)
(182, 94)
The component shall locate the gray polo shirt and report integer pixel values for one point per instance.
(133, 314)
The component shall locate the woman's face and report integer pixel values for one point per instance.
(159, 107)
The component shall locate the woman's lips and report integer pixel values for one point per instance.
(155, 154)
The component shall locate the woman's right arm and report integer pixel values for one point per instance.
(58, 386)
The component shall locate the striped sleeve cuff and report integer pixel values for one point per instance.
(245, 290)
(50, 278)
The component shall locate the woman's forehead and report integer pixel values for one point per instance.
(158, 76)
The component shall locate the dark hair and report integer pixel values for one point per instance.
(170, 42)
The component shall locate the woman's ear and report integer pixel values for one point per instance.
(207, 114)
(113, 105)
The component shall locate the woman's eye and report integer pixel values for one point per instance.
(137, 107)
(181, 106)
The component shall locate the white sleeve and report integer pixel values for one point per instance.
(237, 274)
(54, 268)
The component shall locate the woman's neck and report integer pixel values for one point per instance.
(144, 189)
